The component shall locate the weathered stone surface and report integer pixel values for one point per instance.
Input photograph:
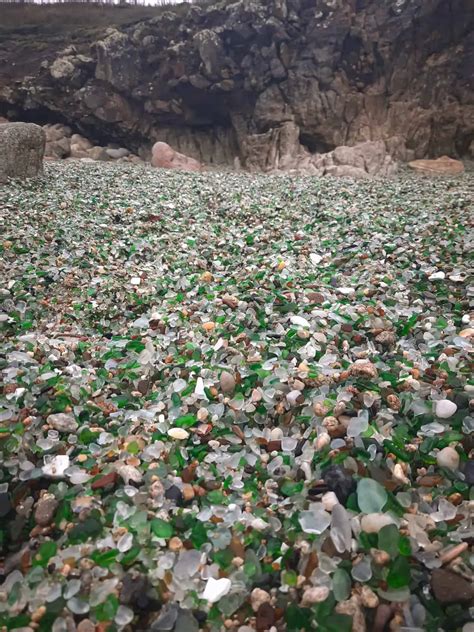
(45, 510)
(275, 84)
(443, 166)
(58, 148)
(21, 150)
(98, 153)
(165, 157)
(449, 587)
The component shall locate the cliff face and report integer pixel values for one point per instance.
(264, 81)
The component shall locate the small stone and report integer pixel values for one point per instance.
(265, 617)
(340, 481)
(394, 402)
(206, 277)
(258, 597)
(352, 608)
(319, 409)
(314, 594)
(38, 614)
(467, 333)
(216, 589)
(188, 492)
(227, 382)
(178, 433)
(175, 544)
(449, 458)
(363, 368)
(380, 557)
(449, 587)
(230, 301)
(209, 326)
(368, 598)
(86, 625)
(63, 422)
(174, 493)
(445, 408)
(386, 338)
(469, 472)
(45, 510)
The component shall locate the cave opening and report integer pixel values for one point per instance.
(314, 143)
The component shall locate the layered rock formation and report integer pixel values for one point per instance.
(271, 84)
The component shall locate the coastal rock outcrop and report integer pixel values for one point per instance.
(269, 83)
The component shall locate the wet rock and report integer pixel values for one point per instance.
(265, 617)
(445, 408)
(165, 157)
(86, 625)
(314, 594)
(449, 458)
(63, 422)
(227, 382)
(468, 472)
(450, 588)
(340, 481)
(440, 166)
(45, 510)
(259, 597)
(175, 494)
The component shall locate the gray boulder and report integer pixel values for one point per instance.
(21, 150)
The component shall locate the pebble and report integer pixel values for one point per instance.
(38, 614)
(314, 594)
(449, 458)
(469, 472)
(175, 544)
(340, 481)
(450, 588)
(445, 408)
(45, 510)
(63, 422)
(265, 617)
(258, 596)
(188, 492)
(86, 625)
(227, 382)
(368, 598)
(178, 433)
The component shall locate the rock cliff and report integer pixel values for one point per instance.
(269, 83)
